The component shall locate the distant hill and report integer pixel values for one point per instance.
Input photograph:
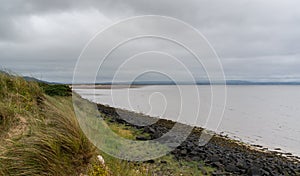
(228, 82)
(241, 82)
(28, 78)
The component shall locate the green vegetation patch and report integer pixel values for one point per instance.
(56, 89)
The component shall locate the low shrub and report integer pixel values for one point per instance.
(56, 89)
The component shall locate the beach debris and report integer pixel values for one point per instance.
(100, 158)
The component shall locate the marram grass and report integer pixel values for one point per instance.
(39, 134)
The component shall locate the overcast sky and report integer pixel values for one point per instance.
(255, 39)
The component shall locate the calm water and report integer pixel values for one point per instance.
(263, 115)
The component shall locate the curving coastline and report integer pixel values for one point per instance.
(227, 156)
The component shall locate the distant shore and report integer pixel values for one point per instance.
(227, 155)
(105, 86)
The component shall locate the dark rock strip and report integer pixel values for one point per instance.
(229, 157)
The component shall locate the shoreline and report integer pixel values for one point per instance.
(225, 154)
(232, 137)
(104, 86)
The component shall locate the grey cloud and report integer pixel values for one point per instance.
(254, 38)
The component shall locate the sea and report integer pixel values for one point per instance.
(265, 115)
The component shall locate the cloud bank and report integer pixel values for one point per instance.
(255, 40)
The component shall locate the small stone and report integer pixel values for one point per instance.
(253, 171)
(101, 160)
(214, 158)
(183, 152)
(241, 164)
(218, 173)
(200, 166)
(204, 172)
(231, 168)
(196, 158)
(264, 172)
(141, 138)
(163, 162)
(217, 165)
(150, 161)
(149, 130)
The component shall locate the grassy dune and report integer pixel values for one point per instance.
(39, 133)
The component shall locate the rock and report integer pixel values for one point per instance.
(141, 138)
(183, 152)
(163, 162)
(150, 161)
(279, 169)
(204, 172)
(196, 158)
(231, 168)
(157, 135)
(101, 160)
(214, 158)
(217, 165)
(149, 130)
(258, 146)
(264, 172)
(200, 166)
(194, 152)
(190, 145)
(119, 120)
(253, 171)
(267, 169)
(219, 173)
(241, 164)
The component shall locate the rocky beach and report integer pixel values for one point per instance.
(225, 155)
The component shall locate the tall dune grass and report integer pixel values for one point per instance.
(39, 133)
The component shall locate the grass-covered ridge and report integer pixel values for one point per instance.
(39, 133)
